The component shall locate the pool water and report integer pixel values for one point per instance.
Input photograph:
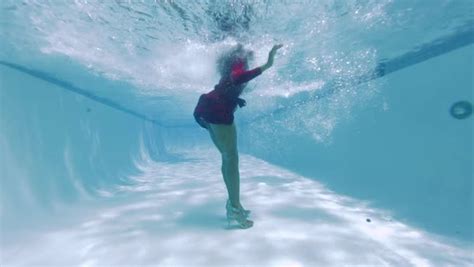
(354, 149)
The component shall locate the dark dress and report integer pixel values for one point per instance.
(218, 106)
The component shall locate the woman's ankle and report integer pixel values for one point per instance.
(234, 205)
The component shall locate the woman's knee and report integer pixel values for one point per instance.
(230, 155)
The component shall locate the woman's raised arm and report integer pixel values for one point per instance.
(240, 76)
(271, 57)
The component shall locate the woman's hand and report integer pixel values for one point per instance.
(271, 57)
(241, 102)
(273, 51)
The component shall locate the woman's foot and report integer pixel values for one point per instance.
(239, 216)
(229, 205)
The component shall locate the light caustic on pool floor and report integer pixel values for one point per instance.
(174, 215)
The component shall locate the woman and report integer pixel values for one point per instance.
(215, 112)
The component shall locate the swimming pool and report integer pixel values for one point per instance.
(349, 153)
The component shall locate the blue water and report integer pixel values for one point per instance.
(349, 153)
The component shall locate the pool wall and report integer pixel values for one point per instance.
(402, 150)
(58, 147)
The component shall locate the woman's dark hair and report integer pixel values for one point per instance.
(227, 59)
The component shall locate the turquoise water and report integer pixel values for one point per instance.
(349, 154)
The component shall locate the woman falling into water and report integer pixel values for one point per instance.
(215, 112)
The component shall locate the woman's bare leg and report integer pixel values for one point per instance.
(225, 138)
